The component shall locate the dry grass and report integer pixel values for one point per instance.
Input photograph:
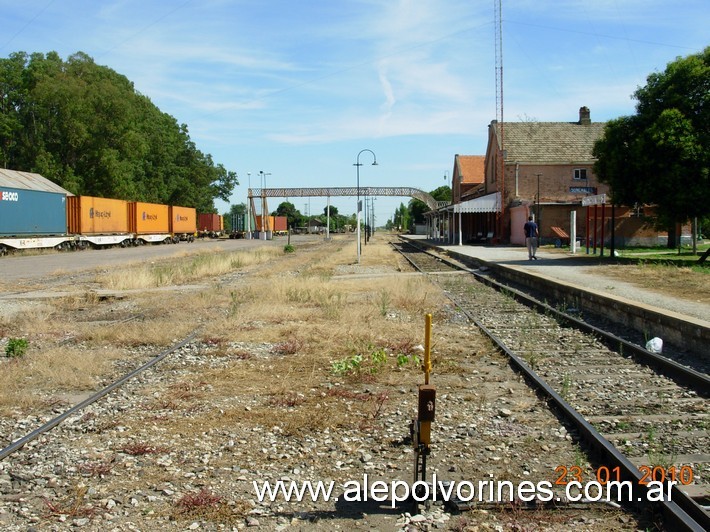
(209, 506)
(269, 335)
(292, 305)
(183, 270)
(680, 282)
(312, 321)
(32, 379)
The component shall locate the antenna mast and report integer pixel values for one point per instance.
(500, 166)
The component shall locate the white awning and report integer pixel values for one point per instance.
(489, 203)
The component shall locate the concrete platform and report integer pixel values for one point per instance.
(582, 272)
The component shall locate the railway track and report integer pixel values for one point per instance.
(189, 427)
(644, 416)
(19, 443)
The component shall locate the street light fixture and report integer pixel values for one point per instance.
(359, 206)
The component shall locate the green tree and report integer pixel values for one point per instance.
(442, 193)
(661, 155)
(418, 208)
(86, 128)
(403, 218)
(13, 93)
(337, 221)
(288, 209)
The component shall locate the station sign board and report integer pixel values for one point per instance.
(598, 199)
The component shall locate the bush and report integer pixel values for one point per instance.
(288, 248)
(16, 347)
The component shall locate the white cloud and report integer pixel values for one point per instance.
(387, 89)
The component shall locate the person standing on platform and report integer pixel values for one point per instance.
(531, 234)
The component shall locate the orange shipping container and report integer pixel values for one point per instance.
(147, 218)
(268, 223)
(87, 215)
(183, 220)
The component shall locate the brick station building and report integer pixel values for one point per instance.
(539, 169)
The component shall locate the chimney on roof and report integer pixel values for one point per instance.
(584, 116)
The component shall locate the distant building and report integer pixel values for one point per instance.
(29, 181)
(467, 184)
(315, 226)
(548, 170)
(543, 169)
(539, 169)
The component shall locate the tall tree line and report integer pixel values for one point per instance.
(661, 154)
(85, 127)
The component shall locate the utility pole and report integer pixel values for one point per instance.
(500, 180)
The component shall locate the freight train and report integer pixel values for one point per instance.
(31, 219)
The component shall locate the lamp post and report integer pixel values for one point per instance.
(372, 216)
(359, 207)
(263, 201)
(366, 218)
(249, 235)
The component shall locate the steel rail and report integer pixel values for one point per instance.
(409, 260)
(679, 373)
(682, 511)
(18, 444)
(699, 382)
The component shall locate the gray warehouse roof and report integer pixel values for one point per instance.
(29, 181)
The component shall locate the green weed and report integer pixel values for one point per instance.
(16, 347)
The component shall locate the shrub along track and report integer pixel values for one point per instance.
(658, 427)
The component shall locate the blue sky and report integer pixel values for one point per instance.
(297, 88)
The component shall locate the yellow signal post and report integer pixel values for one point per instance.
(426, 410)
(427, 348)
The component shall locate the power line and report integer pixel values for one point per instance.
(27, 24)
(580, 32)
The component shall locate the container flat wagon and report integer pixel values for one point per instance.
(32, 219)
(149, 222)
(99, 221)
(36, 213)
(211, 225)
(183, 223)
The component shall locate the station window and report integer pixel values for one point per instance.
(580, 173)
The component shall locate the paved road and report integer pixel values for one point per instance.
(18, 267)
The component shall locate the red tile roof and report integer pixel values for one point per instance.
(471, 168)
